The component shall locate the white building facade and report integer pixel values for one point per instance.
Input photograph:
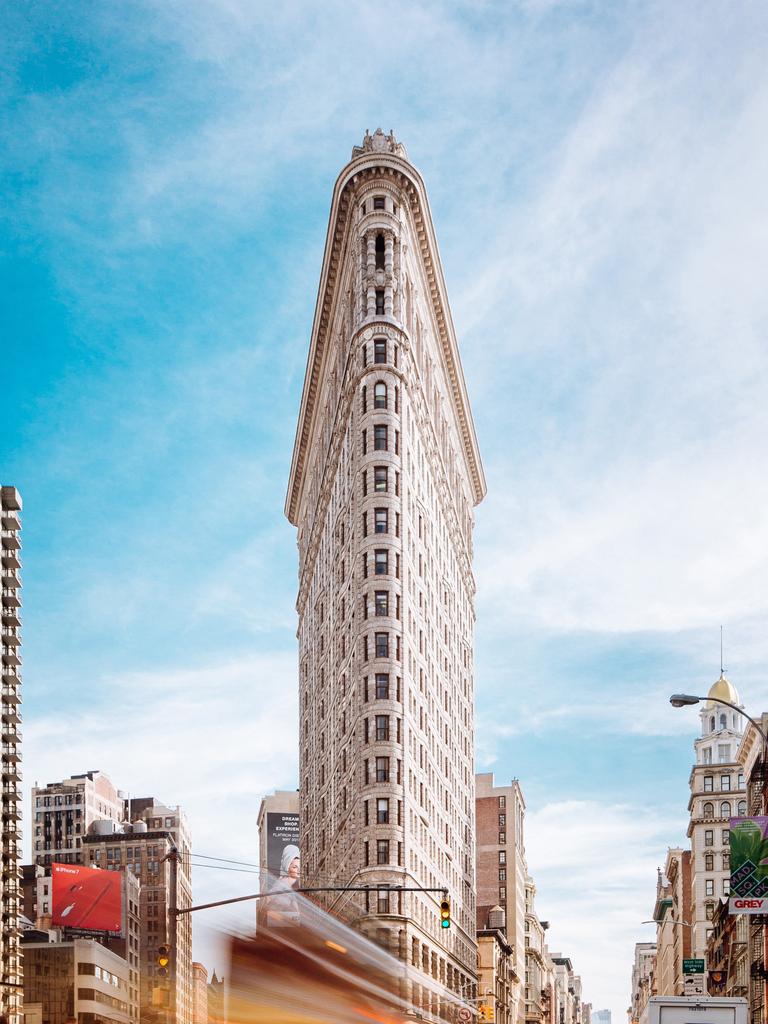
(385, 476)
(718, 793)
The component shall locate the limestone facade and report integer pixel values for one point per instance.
(718, 793)
(385, 476)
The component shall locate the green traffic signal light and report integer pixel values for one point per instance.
(445, 913)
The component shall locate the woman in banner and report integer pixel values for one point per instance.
(282, 906)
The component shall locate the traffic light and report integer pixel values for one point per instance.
(445, 912)
(163, 960)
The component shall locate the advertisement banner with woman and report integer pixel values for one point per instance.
(283, 866)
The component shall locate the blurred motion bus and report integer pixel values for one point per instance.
(313, 969)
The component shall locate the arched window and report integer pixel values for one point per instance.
(742, 808)
(725, 809)
(712, 724)
(709, 810)
(723, 722)
(380, 395)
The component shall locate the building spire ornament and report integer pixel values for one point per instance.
(379, 143)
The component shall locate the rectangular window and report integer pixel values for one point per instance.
(380, 479)
(365, 854)
(381, 602)
(364, 443)
(709, 837)
(382, 811)
(502, 856)
(382, 645)
(381, 520)
(365, 524)
(365, 482)
(725, 782)
(364, 558)
(709, 783)
(382, 686)
(709, 862)
(379, 437)
(726, 837)
(382, 851)
(502, 893)
(365, 648)
(726, 886)
(380, 349)
(723, 753)
(709, 887)
(382, 727)
(382, 903)
(379, 302)
(364, 398)
(381, 556)
(502, 820)
(502, 838)
(502, 874)
(382, 769)
(378, 203)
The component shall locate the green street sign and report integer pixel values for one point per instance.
(693, 966)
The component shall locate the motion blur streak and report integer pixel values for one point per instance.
(306, 967)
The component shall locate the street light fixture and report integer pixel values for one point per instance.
(680, 700)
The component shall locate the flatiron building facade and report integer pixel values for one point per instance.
(385, 476)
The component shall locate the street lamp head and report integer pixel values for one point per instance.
(681, 700)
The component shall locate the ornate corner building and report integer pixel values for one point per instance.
(385, 476)
(718, 793)
(10, 981)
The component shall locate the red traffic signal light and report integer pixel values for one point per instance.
(163, 960)
(445, 912)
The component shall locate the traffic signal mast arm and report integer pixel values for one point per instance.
(326, 888)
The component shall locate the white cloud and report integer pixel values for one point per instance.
(212, 739)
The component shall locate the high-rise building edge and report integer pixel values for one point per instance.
(10, 882)
(385, 476)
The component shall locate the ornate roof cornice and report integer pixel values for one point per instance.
(388, 161)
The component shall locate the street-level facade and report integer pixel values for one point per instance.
(10, 761)
(385, 476)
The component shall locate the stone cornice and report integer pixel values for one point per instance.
(379, 165)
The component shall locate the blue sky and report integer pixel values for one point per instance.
(596, 173)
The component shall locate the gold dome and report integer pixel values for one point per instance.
(723, 689)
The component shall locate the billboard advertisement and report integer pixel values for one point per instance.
(749, 865)
(86, 898)
(283, 864)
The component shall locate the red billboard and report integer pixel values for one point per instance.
(85, 898)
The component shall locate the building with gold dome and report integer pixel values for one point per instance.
(718, 793)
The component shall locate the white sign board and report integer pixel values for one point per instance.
(693, 984)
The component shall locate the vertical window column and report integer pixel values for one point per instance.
(389, 248)
(370, 241)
